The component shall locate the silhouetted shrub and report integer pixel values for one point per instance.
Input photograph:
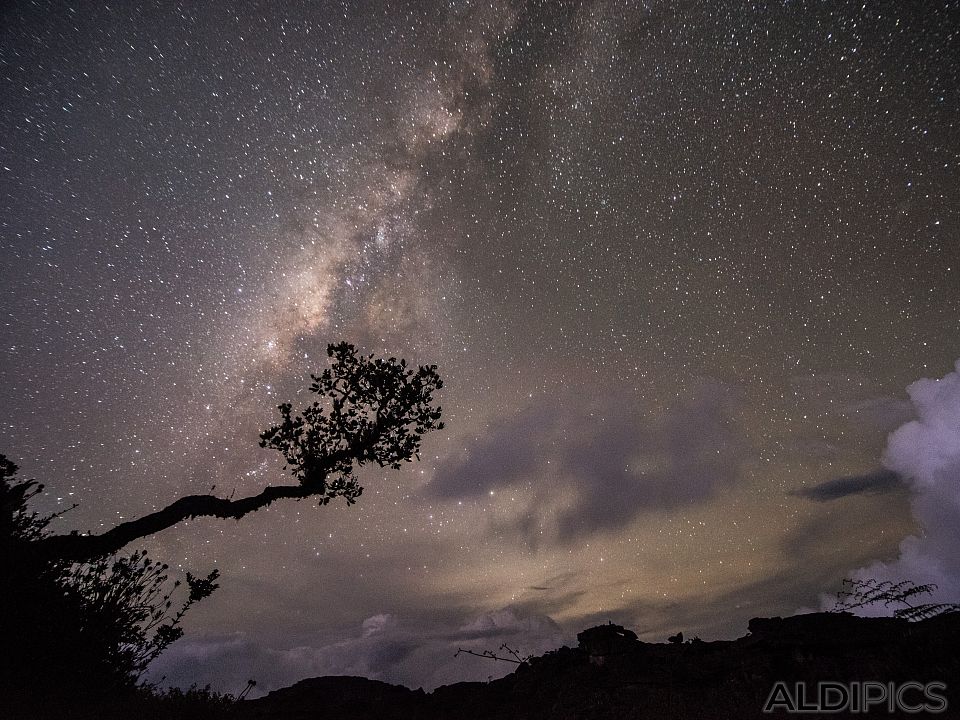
(69, 632)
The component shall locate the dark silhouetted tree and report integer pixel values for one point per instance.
(370, 410)
(76, 615)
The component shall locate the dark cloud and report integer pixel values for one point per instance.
(507, 454)
(872, 483)
(611, 460)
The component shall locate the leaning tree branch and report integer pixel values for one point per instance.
(81, 548)
(378, 416)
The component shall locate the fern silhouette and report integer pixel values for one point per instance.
(901, 596)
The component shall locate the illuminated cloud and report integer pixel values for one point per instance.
(415, 652)
(926, 453)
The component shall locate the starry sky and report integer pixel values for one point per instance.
(690, 272)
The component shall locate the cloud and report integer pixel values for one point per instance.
(377, 624)
(872, 483)
(511, 452)
(412, 652)
(596, 467)
(926, 453)
(508, 622)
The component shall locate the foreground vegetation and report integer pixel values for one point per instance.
(80, 620)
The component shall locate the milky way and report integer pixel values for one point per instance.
(677, 263)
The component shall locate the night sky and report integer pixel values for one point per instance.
(678, 264)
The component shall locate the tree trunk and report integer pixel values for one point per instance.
(81, 548)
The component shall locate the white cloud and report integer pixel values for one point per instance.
(926, 453)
